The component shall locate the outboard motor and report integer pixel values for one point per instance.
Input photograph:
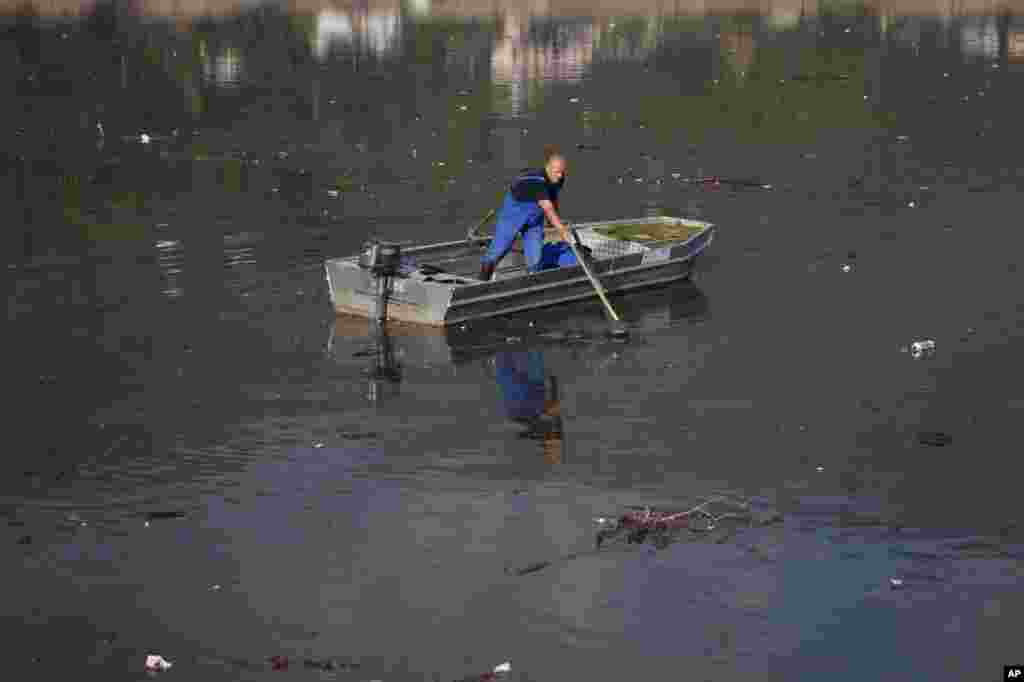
(383, 260)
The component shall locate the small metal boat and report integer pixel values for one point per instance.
(437, 284)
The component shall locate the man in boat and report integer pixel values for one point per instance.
(532, 197)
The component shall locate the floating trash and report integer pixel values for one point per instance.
(491, 676)
(896, 583)
(935, 439)
(819, 469)
(661, 527)
(144, 138)
(329, 664)
(574, 100)
(333, 193)
(159, 515)
(155, 662)
(923, 347)
(463, 107)
(846, 267)
(278, 662)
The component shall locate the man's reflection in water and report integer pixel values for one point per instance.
(531, 398)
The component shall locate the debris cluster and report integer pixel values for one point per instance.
(661, 527)
(716, 518)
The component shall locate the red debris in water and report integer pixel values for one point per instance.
(649, 519)
(279, 662)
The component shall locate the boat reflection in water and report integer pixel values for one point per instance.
(512, 350)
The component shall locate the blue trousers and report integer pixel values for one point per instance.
(521, 378)
(539, 256)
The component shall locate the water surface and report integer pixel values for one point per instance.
(203, 462)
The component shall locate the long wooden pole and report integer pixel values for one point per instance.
(596, 283)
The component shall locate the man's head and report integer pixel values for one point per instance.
(554, 164)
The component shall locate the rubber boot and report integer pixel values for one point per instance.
(486, 272)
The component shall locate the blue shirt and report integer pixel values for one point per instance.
(533, 185)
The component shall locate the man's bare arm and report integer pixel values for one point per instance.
(554, 219)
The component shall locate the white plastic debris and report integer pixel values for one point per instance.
(333, 193)
(912, 204)
(504, 667)
(819, 469)
(846, 268)
(574, 100)
(463, 107)
(919, 348)
(144, 138)
(155, 662)
(896, 582)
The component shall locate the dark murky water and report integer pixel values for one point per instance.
(201, 462)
